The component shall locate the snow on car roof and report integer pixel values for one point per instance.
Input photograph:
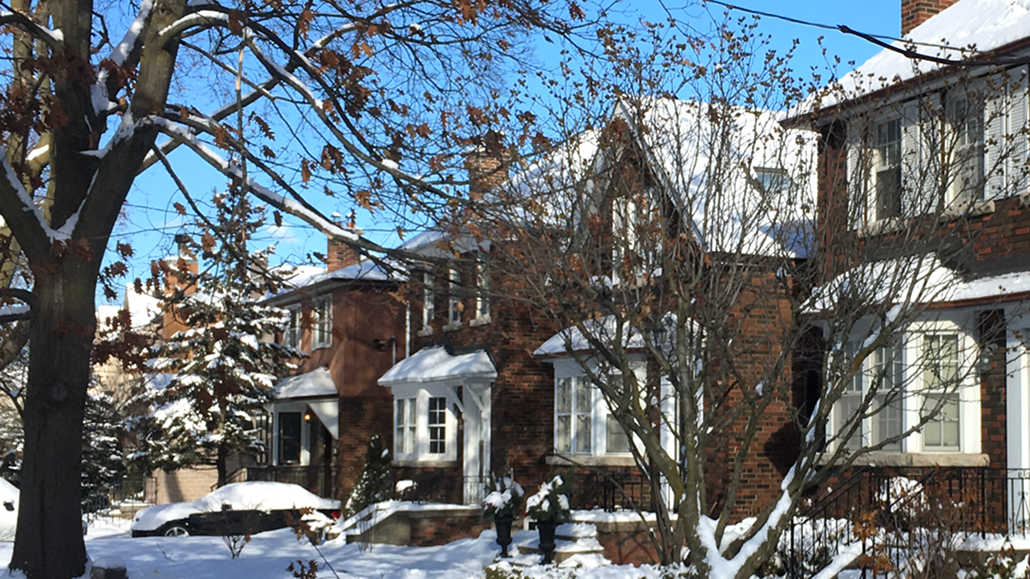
(243, 496)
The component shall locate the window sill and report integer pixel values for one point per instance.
(974, 209)
(452, 327)
(426, 331)
(923, 459)
(590, 460)
(321, 346)
(955, 211)
(428, 463)
(480, 321)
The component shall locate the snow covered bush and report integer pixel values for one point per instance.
(375, 483)
(550, 503)
(503, 498)
(103, 464)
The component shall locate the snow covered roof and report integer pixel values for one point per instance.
(317, 382)
(308, 276)
(985, 25)
(142, 309)
(434, 363)
(605, 330)
(917, 279)
(712, 171)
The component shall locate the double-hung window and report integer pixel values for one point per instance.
(582, 422)
(965, 121)
(454, 305)
(941, 392)
(482, 291)
(404, 431)
(322, 330)
(437, 425)
(873, 396)
(888, 169)
(292, 333)
(428, 300)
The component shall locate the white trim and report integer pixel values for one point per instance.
(421, 393)
(318, 340)
(565, 368)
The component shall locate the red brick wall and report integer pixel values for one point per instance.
(360, 418)
(442, 529)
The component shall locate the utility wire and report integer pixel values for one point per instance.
(884, 40)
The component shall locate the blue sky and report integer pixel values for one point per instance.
(149, 219)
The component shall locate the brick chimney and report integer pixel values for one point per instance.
(485, 165)
(339, 254)
(915, 12)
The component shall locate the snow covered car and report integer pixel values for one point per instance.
(8, 510)
(235, 509)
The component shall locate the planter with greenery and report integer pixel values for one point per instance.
(502, 502)
(548, 507)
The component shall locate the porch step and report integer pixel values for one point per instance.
(571, 541)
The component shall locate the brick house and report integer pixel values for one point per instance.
(914, 154)
(348, 321)
(493, 384)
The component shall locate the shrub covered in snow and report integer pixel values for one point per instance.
(375, 483)
(503, 498)
(550, 503)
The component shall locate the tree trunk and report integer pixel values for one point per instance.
(49, 539)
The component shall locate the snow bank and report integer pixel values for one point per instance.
(8, 518)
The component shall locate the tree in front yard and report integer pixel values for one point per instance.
(365, 101)
(376, 481)
(724, 326)
(220, 369)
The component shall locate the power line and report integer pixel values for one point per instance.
(883, 39)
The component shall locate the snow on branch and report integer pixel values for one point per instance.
(53, 38)
(198, 18)
(291, 206)
(28, 206)
(16, 312)
(98, 92)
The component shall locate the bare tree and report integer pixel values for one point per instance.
(373, 96)
(735, 324)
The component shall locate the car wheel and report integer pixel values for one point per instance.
(175, 530)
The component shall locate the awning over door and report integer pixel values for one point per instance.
(316, 389)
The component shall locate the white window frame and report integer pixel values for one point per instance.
(966, 156)
(294, 327)
(419, 395)
(436, 424)
(454, 308)
(882, 164)
(570, 371)
(428, 300)
(405, 411)
(912, 369)
(872, 373)
(482, 312)
(322, 322)
(929, 370)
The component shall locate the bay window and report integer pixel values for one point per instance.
(583, 425)
(425, 427)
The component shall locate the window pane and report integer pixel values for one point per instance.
(289, 437)
(847, 409)
(563, 396)
(583, 396)
(563, 434)
(616, 439)
(583, 433)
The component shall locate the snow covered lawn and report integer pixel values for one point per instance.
(269, 554)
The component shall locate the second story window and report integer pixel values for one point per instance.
(322, 324)
(428, 300)
(888, 169)
(454, 305)
(965, 121)
(482, 291)
(291, 336)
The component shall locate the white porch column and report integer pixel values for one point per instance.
(476, 443)
(1017, 424)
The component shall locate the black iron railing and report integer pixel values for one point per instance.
(882, 510)
(610, 491)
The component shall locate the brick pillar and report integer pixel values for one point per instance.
(915, 12)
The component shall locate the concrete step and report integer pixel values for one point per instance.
(571, 540)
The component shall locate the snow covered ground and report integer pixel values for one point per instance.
(268, 555)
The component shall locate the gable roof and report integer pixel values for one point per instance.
(980, 25)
